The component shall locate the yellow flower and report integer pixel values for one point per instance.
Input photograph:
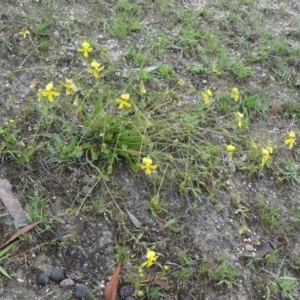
(235, 94)
(11, 121)
(141, 273)
(147, 165)
(291, 138)
(123, 101)
(151, 258)
(24, 32)
(69, 211)
(230, 149)
(181, 82)
(39, 94)
(139, 293)
(239, 117)
(48, 92)
(166, 268)
(95, 68)
(206, 94)
(265, 152)
(85, 49)
(70, 86)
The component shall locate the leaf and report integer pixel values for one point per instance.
(5, 250)
(142, 88)
(32, 84)
(18, 233)
(4, 272)
(158, 282)
(111, 288)
(133, 219)
(12, 203)
(243, 228)
(274, 109)
(266, 248)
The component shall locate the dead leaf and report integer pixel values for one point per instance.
(142, 88)
(243, 228)
(112, 286)
(158, 282)
(18, 233)
(133, 219)
(12, 203)
(274, 109)
(266, 248)
(32, 84)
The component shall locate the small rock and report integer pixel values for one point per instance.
(148, 222)
(247, 233)
(129, 298)
(86, 180)
(249, 248)
(125, 291)
(256, 243)
(42, 278)
(81, 291)
(86, 190)
(57, 275)
(67, 283)
(60, 233)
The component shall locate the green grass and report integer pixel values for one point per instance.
(3, 255)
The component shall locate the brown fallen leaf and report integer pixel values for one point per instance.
(158, 282)
(274, 109)
(12, 203)
(266, 248)
(18, 233)
(112, 286)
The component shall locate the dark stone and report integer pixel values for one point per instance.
(148, 222)
(57, 275)
(42, 278)
(81, 291)
(86, 180)
(86, 190)
(129, 298)
(60, 233)
(125, 291)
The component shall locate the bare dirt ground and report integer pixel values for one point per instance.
(194, 233)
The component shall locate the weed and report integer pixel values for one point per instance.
(35, 208)
(280, 285)
(268, 213)
(224, 273)
(41, 28)
(3, 255)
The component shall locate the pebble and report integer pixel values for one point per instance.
(148, 222)
(86, 180)
(247, 233)
(42, 278)
(81, 291)
(67, 283)
(125, 291)
(249, 248)
(57, 275)
(86, 190)
(60, 233)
